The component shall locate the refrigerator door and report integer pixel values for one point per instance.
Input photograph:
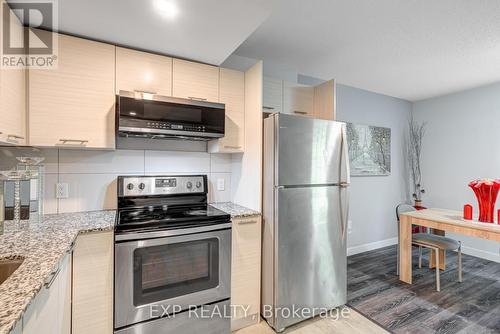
(310, 253)
(309, 151)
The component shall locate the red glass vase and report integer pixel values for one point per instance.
(486, 191)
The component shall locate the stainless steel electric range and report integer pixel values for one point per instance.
(172, 257)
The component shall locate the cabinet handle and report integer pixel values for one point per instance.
(143, 95)
(244, 222)
(197, 98)
(71, 248)
(229, 146)
(267, 108)
(66, 141)
(300, 112)
(52, 278)
(14, 138)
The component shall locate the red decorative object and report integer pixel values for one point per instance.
(468, 212)
(415, 228)
(486, 191)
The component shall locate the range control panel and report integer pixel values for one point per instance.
(160, 185)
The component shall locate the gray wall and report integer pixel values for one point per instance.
(374, 199)
(462, 143)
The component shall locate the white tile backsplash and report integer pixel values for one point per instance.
(101, 162)
(161, 162)
(49, 190)
(215, 195)
(88, 192)
(220, 163)
(91, 175)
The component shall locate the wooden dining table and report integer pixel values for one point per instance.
(442, 220)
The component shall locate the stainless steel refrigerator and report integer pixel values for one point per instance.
(305, 209)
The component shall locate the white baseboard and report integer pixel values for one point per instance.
(371, 246)
(481, 254)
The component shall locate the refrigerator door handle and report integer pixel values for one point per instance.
(345, 177)
(344, 208)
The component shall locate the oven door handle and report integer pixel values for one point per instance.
(170, 233)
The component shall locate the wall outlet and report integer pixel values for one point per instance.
(349, 226)
(62, 190)
(221, 184)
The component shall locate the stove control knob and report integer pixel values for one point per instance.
(198, 184)
(130, 186)
(189, 185)
(142, 186)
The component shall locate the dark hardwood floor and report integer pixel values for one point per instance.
(472, 306)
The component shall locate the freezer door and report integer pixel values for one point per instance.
(310, 251)
(309, 151)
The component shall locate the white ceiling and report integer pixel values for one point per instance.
(204, 30)
(411, 49)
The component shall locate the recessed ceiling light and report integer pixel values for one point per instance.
(166, 8)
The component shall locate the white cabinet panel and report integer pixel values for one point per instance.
(195, 81)
(141, 71)
(13, 96)
(272, 95)
(93, 284)
(232, 94)
(299, 99)
(75, 101)
(49, 313)
(245, 270)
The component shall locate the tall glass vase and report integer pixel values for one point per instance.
(17, 176)
(33, 164)
(486, 191)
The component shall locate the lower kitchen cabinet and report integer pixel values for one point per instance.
(50, 311)
(245, 271)
(93, 284)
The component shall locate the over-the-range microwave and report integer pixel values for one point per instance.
(145, 115)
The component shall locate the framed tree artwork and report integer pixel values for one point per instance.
(369, 150)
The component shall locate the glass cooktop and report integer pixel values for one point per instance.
(165, 217)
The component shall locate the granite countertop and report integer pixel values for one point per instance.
(43, 245)
(235, 210)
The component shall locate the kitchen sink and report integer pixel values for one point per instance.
(8, 267)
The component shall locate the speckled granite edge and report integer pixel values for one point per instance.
(42, 245)
(235, 210)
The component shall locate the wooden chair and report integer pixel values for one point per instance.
(433, 243)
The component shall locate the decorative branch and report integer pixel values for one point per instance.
(416, 134)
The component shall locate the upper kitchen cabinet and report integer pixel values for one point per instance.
(73, 104)
(324, 100)
(13, 97)
(273, 95)
(232, 94)
(195, 81)
(145, 72)
(298, 99)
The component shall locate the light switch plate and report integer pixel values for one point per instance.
(221, 184)
(62, 190)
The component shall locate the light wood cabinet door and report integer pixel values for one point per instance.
(141, 71)
(272, 95)
(324, 100)
(48, 313)
(64, 308)
(93, 283)
(195, 81)
(13, 96)
(245, 270)
(298, 99)
(74, 104)
(232, 94)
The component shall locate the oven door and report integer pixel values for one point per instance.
(156, 277)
